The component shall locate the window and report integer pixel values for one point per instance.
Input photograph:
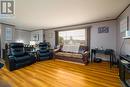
(72, 37)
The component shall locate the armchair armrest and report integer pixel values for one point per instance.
(10, 62)
(28, 53)
(38, 52)
(32, 55)
(11, 59)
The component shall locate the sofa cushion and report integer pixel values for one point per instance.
(64, 54)
(75, 55)
(71, 48)
(75, 48)
(59, 53)
(66, 48)
(68, 54)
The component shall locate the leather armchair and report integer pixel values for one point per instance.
(17, 57)
(44, 53)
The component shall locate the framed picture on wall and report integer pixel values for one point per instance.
(35, 37)
(103, 29)
(124, 24)
(8, 34)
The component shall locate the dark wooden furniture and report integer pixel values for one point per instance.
(109, 52)
(124, 69)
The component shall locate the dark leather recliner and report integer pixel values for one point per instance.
(44, 52)
(17, 57)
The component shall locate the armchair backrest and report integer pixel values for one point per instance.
(71, 48)
(43, 46)
(16, 49)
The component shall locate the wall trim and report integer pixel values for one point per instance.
(123, 11)
(80, 24)
(7, 24)
(77, 28)
(37, 30)
(23, 30)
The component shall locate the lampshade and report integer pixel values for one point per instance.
(32, 42)
(19, 41)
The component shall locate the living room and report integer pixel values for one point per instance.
(71, 43)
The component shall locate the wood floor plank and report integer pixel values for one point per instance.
(94, 79)
(62, 74)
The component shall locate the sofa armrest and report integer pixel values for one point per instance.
(86, 57)
(56, 50)
(85, 53)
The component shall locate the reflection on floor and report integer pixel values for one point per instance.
(62, 74)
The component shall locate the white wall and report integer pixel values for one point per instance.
(40, 32)
(50, 37)
(27, 36)
(126, 46)
(3, 40)
(107, 40)
(22, 35)
(0, 41)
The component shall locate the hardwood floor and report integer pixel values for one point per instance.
(62, 74)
